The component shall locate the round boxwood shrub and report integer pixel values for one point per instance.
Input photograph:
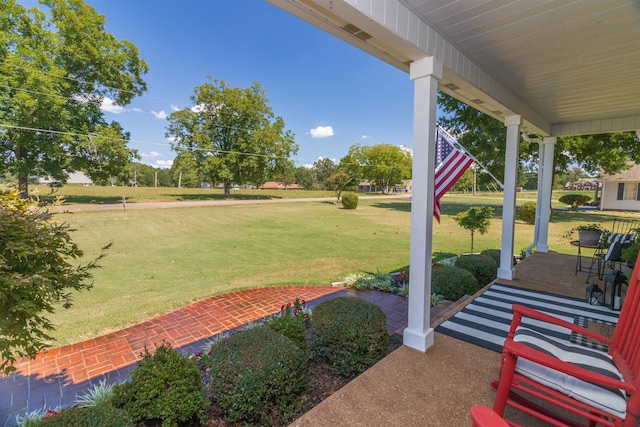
(483, 267)
(578, 199)
(93, 416)
(495, 255)
(349, 201)
(350, 333)
(528, 212)
(165, 386)
(453, 283)
(258, 375)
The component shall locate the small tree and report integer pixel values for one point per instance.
(36, 273)
(476, 218)
(338, 182)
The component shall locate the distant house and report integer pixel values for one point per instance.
(366, 187)
(272, 185)
(621, 192)
(582, 184)
(74, 178)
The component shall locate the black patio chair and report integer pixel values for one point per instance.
(622, 234)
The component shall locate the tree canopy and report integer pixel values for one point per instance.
(232, 135)
(485, 138)
(384, 165)
(58, 67)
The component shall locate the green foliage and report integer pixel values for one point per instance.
(476, 218)
(98, 395)
(483, 267)
(350, 333)
(64, 38)
(322, 170)
(37, 272)
(94, 416)
(384, 165)
(495, 255)
(350, 201)
(304, 177)
(528, 212)
(292, 323)
(436, 299)
(630, 253)
(166, 387)
(338, 182)
(578, 199)
(258, 376)
(204, 133)
(453, 282)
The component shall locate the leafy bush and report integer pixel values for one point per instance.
(578, 199)
(483, 267)
(349, 201)
(528, 212)
(453, 283)
(99, 394)
(93, 416)
(165, 386)
(258, 376)
(350, 333)
(495, 255)
(291, 322)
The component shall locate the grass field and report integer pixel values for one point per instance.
(163, 259)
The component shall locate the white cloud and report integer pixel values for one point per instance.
(163, 164)
(174, 108)
(172, 139)
(137, 110)
(307, 166)
(154, 154)
(110, 106)
(159, 115)
(365, 137)
(197, 108)
(407, 149)
(321, 132)
(144, 155)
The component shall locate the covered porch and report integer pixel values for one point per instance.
(440, 386)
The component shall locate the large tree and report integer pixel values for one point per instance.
(322, 169)
(232, 135)
(58, 67)
(384, 165)
(485, 138)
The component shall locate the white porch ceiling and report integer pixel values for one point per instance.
(567, 66)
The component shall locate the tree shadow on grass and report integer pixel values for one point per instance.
(193, 197)
(85, 200)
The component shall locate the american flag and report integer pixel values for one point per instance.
(451, 163)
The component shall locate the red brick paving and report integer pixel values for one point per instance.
(203, 319)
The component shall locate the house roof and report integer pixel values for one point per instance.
(567, 67)
(631, 174)
(272, 185)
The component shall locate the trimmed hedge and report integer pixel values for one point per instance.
(94, 416)
(579, 199)
(258, 375)
(495, 255)
(165, 386)
(292, 327)
(453, 282)
(527, 212)
(350, 333)
(483, 267)
(349, 201)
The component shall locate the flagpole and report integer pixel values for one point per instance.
(460, 147)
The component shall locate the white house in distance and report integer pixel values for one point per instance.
(621, 192)
(74, 178)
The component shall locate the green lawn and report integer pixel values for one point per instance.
(166, 258)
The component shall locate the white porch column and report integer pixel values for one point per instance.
(425, 74)
(547, 148)
(506, 270)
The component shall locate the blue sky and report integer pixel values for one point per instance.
(312, 79)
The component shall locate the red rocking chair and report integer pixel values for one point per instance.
(600, 388)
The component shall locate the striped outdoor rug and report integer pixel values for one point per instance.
(486, 320)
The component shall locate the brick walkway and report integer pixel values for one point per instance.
(57, 376)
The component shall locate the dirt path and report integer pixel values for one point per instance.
(164, 205)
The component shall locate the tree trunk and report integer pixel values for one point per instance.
(227, 189)
(472, 241)
(23, 177)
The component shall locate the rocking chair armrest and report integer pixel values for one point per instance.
(535, 314)
(524, 351)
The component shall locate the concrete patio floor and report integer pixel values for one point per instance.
(439, 387)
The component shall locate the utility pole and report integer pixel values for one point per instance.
(180, 180)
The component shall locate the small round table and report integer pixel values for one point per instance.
(579, 260)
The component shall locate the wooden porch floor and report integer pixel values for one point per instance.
(439, 387)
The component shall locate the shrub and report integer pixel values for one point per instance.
(453, 283)
(483, 267)
(349, 201)
(495, 255)
(350, 333)
(94, 416)
(291, 322)
(578, 199)
(258, 376)
(528, 212)
(99, 394)
(165, 386)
